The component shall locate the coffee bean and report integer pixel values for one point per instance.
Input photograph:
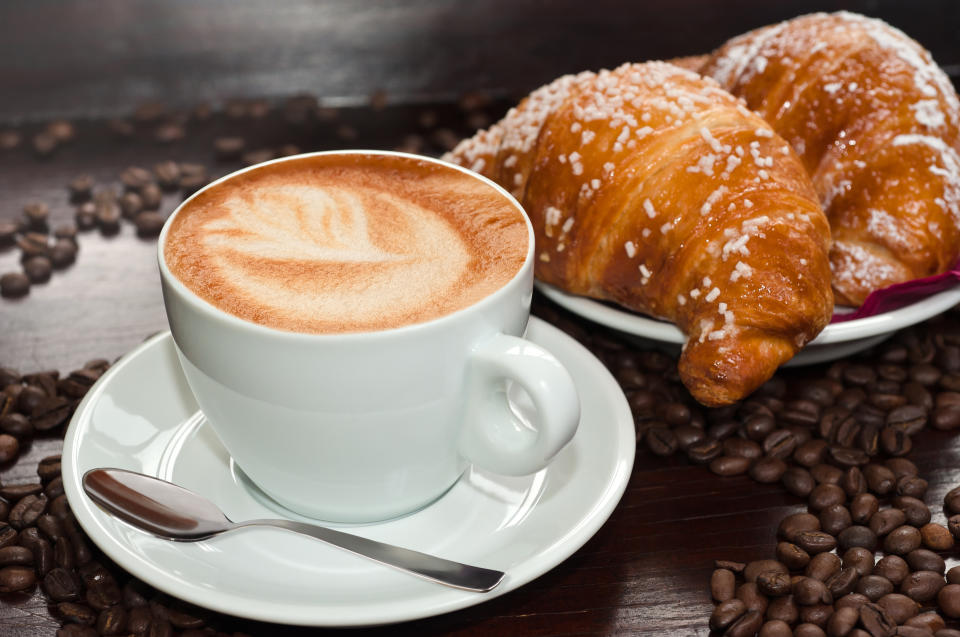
(911, 486)
(62, 585)
(931, 622)
(860, 559)
(51, 413)
(917, 394)
(895, 442)
(922, 586)
(859, 375)
(228, 148)
(823, 566)
(853, 482)
(831, 421)
(794, 557)
(130, 204)
(49, 467)
(862, 507)
(15, 555)
(848, 456)
(949, 600)
(808, 630)
(892, 567)
(876, 621)
(746, 626)
(17, 491)
(945, 418)
(755, 568)
(108, 219)
(780, 443)
(14, 285)
(167, 174)
(911, 419)
(723, 585)
(759, 426)
(899, 607)
(9, 139)
(773, 583)
(810, 453)
(138, 619)
(768, 469)
(869, 439)
(9, 448)
(852, 600)
(834, 519)
(704, 451)
(26, 511)
(103, 591)
(16, 578)
(734, 567)
(887, 520)
(953, 575)
(726, 613)
(951, 501)
(857, 536)
(798, 481)
(149, 224)
(63, 554)
(792, 525)
(751, 597)
(112, 621)
(874, 586)
(775, 628)
(51, 526)
(662, 441)
(842, 583)
(134, 178)
(783, 609)
(916, 512)
(742, 448)
(924, 374)
(842, 622)
(77, 613)
(851, 398)
(38, 269)
(826, 474)
(809, 590)
(826, 495)
(925, 560)
(902, 540)
(816, 541)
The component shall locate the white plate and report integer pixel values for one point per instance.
(835, 341)
(142, 416)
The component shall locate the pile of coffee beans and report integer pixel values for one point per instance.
(865, 558)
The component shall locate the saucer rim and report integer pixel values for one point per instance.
(833, 334)
(595, 512)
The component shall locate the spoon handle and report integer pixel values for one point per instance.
(430, 567)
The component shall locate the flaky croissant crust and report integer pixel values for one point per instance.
(877, 125)
(651, 187)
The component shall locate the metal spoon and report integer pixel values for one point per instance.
(172, 512)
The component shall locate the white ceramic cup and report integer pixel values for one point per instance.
(359, 427)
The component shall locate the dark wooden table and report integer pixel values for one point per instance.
(646, 570)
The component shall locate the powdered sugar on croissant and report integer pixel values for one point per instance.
(876, 122)
(654, 188)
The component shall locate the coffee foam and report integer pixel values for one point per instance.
(346, 243)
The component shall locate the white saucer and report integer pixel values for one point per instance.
(835, 341)
(142, 416)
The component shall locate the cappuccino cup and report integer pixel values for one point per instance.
(351, 324)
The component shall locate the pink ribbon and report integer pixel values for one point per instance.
(901, 294)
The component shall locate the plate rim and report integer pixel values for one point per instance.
(594, 515)
(843, 332)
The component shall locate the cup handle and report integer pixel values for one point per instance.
(496, 438)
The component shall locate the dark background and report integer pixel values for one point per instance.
(100, 57)
(646, 571)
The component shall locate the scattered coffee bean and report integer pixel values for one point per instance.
(922, 586)
(892, 567)
(14, 285)
(723, 585)
(902, 540)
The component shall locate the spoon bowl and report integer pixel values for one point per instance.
(172, 512)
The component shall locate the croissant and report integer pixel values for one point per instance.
(651, 187)
(875, 122)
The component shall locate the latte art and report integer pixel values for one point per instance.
(346, 243)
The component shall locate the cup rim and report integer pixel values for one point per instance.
(204, 306)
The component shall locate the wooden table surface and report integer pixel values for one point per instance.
(645, 572)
